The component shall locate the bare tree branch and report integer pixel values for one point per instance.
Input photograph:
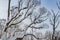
(9, 9)
(57, 25)
(31, 35)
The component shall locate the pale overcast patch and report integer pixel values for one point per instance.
(3, 8)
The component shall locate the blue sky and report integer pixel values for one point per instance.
(49, 4)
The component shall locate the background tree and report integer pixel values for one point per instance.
(54, 21)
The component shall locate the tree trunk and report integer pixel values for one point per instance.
(5, 33)
(19, 39)
(53, 35)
